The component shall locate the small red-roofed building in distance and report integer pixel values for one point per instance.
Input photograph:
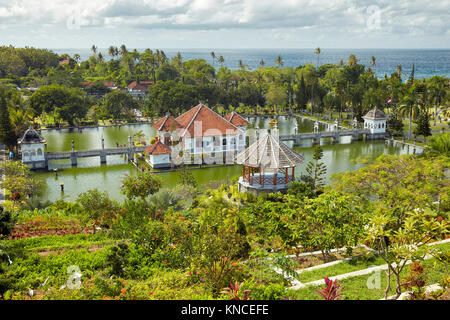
(139, 89)
(203, 135)
(63, 62)
(158, 155)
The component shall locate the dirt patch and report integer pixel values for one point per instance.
(318, 259)
(46, 253)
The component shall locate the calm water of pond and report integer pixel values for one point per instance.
(89, 174)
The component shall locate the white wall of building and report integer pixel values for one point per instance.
(375, 126)
(159, 160)
(33, 152)
(215, 144)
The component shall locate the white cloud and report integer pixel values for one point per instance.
(322, 17)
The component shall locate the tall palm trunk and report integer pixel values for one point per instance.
(410, 121)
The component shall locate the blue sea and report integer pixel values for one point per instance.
(427, 62)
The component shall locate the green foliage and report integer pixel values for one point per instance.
(19, 181)
(69, 104)
(118, 102)
(186, 177)
(7, 134)
(301, 189)
(144, 184)
(116, 260)
(423, 126)
(6, 223)
(98, 208)
(316, 169)
(440, 143)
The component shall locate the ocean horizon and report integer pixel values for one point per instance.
(428, 62)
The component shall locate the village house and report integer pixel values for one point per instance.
(203, 134)
(138, 89)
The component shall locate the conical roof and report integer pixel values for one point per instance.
(31, 136)
(269, 152)
(375, 114)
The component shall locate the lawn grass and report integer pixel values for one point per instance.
(356, 287)
(58, 243)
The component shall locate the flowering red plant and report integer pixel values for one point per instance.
(331, 291)
(233, 291)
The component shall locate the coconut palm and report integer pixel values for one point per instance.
(262, 63)
(373, 61)
(318, 51)
(213, 56)
(399, 70)
(352, 60)
(112, 51)
(94, 49)
(77, 57)
(20, 120)
(410, 105)
(123, 50)
(438, 92)
(279, 61)
(221, 60)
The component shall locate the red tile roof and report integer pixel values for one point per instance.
(167, 124)
(157, 148)
(212, 123)
(145, 84)
(236, 119)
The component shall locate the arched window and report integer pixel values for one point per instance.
(224, 142)
(39, 152)
(382, 126)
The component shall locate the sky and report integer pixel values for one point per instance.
(226, 23)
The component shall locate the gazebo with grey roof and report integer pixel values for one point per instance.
(268, 165)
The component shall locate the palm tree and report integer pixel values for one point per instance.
(410, 105)
(318, 51)
(94, 49)
(262, 63)
(373, 61)
(241, 65)
(77, 57)
(100, 56)
(221, 60)
(123, 50)
(279, 61)
(438, 92)
(20, 120)
(213, 56)
(399, 70)
(112, 51)
(352, 60)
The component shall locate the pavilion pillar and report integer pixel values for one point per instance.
(286, 176)
(260, 176)
(275, 177)
(243, 172)
(293, 173)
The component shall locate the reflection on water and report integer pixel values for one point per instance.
(90, 174)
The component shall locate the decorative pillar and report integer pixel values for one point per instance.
(275, 177)
(73, 146)
(286, 176)
(293, 173)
